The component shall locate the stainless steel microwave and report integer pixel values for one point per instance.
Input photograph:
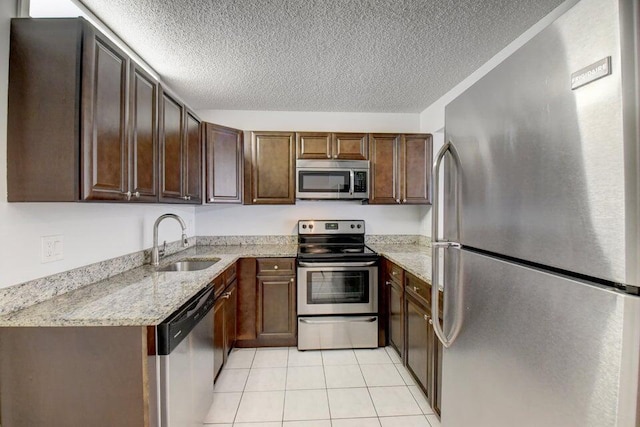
(332, 179)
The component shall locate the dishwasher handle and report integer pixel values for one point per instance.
(177, 327)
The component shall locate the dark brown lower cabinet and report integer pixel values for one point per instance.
(276, 319)
(419, 345)
(224, 319)
(266, 303)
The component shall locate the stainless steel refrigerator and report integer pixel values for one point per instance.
(536, 231)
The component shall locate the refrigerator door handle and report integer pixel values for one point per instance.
(437, 244)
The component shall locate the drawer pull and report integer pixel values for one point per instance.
(415, 289)
(275, 267)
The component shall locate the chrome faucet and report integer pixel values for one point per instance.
(156, 253)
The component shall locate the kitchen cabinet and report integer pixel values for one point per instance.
(276, 317)
(73, 143)
(270, 168)
(224, 317)
(143, 147)
(394, 281)
(180, 153)
(400, 168)
(266, 303)
(423, 349)
(78, 376)
(326, 145)
(419, 342)
(223, 154)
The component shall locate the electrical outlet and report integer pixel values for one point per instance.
(52, 248)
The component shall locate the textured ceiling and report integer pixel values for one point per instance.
(317, 55)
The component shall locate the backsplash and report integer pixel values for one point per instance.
(247, 240)
(25, 294)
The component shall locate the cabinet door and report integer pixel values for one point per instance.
(230, 307)
(419, 341)
(385, 188)
(218, 336)
(276, 317)
(104, 147)
(350, 146)
(192, 159)
(143, 146)
(272, 168)
(171, 136)
(396, 316)
(415, 170)
(313, 145)
(223, 148)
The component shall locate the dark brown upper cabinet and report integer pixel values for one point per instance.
(338, 146)
(67, 119)
(223, 153)
(400, 168)
(180, 153)
(270, 168)
(143, 146)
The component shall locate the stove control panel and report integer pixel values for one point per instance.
(339, 226)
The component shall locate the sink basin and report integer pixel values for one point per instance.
(189, 265)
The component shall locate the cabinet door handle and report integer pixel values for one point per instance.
(388, 283)
(404, 200)
(275, 267)
(255, 200)
(426, 317)
(210, 200)
(127, 195)
(430, 321)
(291, 280)
(226, 295)
(335, 156)
(415, 289)
(136, 194)
(398, 201)
(393, 273)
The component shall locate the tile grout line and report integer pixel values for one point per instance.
(286, 376)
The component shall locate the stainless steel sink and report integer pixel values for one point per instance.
(189, 265)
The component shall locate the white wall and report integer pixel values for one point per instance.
(92, 232)
(432, 118)
(265, 220)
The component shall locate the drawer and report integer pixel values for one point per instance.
(276, 266)
(230, 274)
(395, 273)
(418, 288)
(218, 285)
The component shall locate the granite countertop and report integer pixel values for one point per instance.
(414, 258)
(141, 296)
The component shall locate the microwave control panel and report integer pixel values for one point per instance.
(359, 182)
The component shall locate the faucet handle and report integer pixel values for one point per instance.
(185, 242)
(162, 251)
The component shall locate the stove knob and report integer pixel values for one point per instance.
(304, 225)
(310, 226)
(359, 225)
(353, 226)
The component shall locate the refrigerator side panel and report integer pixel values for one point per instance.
(544, 175)
(536, 349)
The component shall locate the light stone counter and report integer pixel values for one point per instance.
(138, 297)
(414, 258)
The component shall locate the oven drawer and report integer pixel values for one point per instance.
(276, 266)
(332, 332)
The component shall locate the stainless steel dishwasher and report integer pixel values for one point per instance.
(185, 371)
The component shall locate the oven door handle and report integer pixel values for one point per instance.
(336, 264)
(367, 319)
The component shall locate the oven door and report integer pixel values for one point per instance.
(337, 288)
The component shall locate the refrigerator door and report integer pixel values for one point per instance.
(536, 349)
(549, 173)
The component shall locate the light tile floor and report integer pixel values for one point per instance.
(284, 387)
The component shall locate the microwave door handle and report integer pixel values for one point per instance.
(351, 182)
